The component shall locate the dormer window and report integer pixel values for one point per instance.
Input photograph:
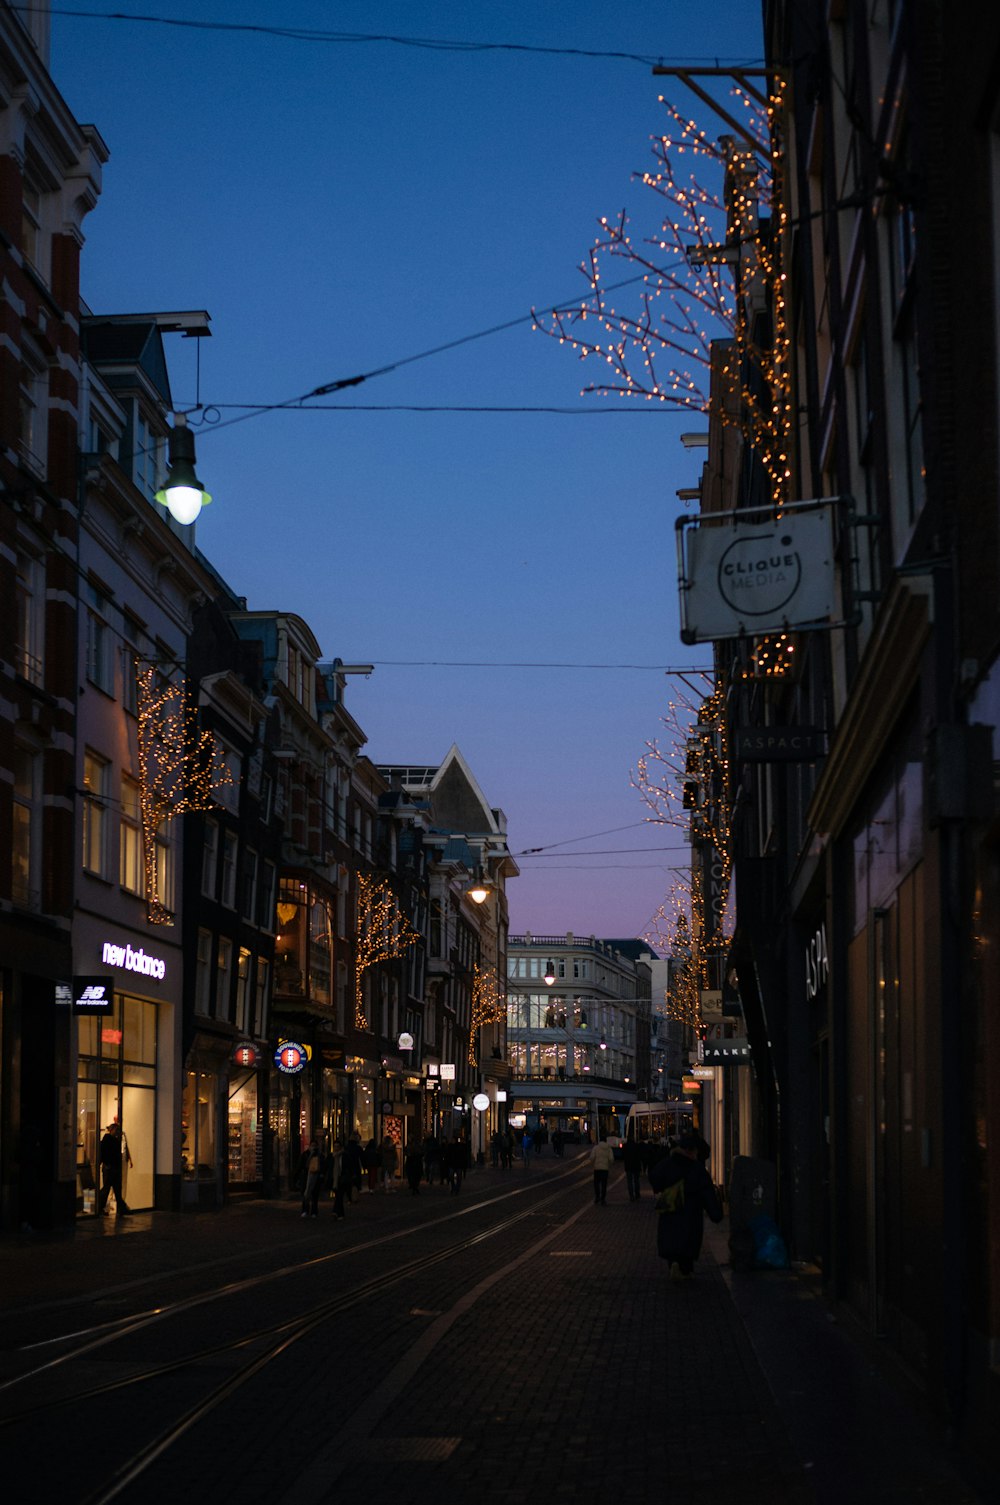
(147, 458)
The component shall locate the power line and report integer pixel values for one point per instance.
(427, 44)
(591, 836)
(606, 852)
(413, 407)
(343, 383)
(417, 663)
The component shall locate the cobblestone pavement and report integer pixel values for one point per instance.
(574, 1370)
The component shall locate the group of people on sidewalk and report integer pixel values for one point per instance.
(684, 1189)
(685, 1193)
(349, 1168)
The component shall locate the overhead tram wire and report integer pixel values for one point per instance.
(418, 663)
(354, 38)
(345, 382)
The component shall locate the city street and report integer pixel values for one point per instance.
(512, 1342)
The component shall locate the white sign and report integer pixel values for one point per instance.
(480, 1102)
(134, 961)
(405, 1041)
(740, 579)
(447, 1072)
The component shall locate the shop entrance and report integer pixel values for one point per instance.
(117, 1080)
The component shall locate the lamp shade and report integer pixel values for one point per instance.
(182, 493)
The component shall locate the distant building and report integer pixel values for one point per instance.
(578, 1044)
(464, 1022)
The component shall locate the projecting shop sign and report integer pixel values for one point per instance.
(742, 579)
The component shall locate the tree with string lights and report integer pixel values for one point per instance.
(489, 1006)
(383, 934)
(712, 269)
(181, 768)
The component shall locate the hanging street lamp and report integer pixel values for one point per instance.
(182, 493)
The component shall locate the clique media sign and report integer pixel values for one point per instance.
(741, 579)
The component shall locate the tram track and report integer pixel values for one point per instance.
(101, 1334)
(279, 1337)
(286, 1335)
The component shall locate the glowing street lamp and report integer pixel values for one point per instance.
(479, 889)
(182, 493)
(549, 975)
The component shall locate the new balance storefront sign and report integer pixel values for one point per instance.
(136, 960)
(93, 995)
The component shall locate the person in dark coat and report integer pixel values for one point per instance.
(351, 1167)
(111, 1169)
(679, 1230)
(632, 1156)
(414, 1166)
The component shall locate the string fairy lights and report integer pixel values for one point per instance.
(383, 933)
(684, 782)
(180, 769)
(489, 1006)
(694, 342)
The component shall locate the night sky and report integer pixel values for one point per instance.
(340, 207)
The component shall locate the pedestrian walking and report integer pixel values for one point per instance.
(495, 1147)
(126, 1163)
(414, 1167)
(507, 1150)
(371, 1160)
(432, 1159)
(111, 1169)
(632, 1156)
(338, 1178)
(685, 1193)
(456, 1162)
(602, 1158)
(311, 1170)
(527, 1145)
(352, 1167)
(389, 1156)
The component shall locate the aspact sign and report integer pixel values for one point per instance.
(130, 960)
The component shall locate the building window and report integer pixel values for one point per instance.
(148, 448)
(29, 629)
(243, 1020)
(100, 670)
(31, 225)
(230, 843)
(320, 952)
(258, 1025)
(210, 859)
(96, 787)
(227, 794)
(223, 981)
(266, 916)
(27, 830)
(133, 652)
(248, 908)
(130, 863)
(203, 976)
(34, 412)
(165, 868)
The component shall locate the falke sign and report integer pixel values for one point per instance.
(778, 744)
(726, 1053)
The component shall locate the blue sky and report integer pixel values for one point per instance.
(339, 207)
